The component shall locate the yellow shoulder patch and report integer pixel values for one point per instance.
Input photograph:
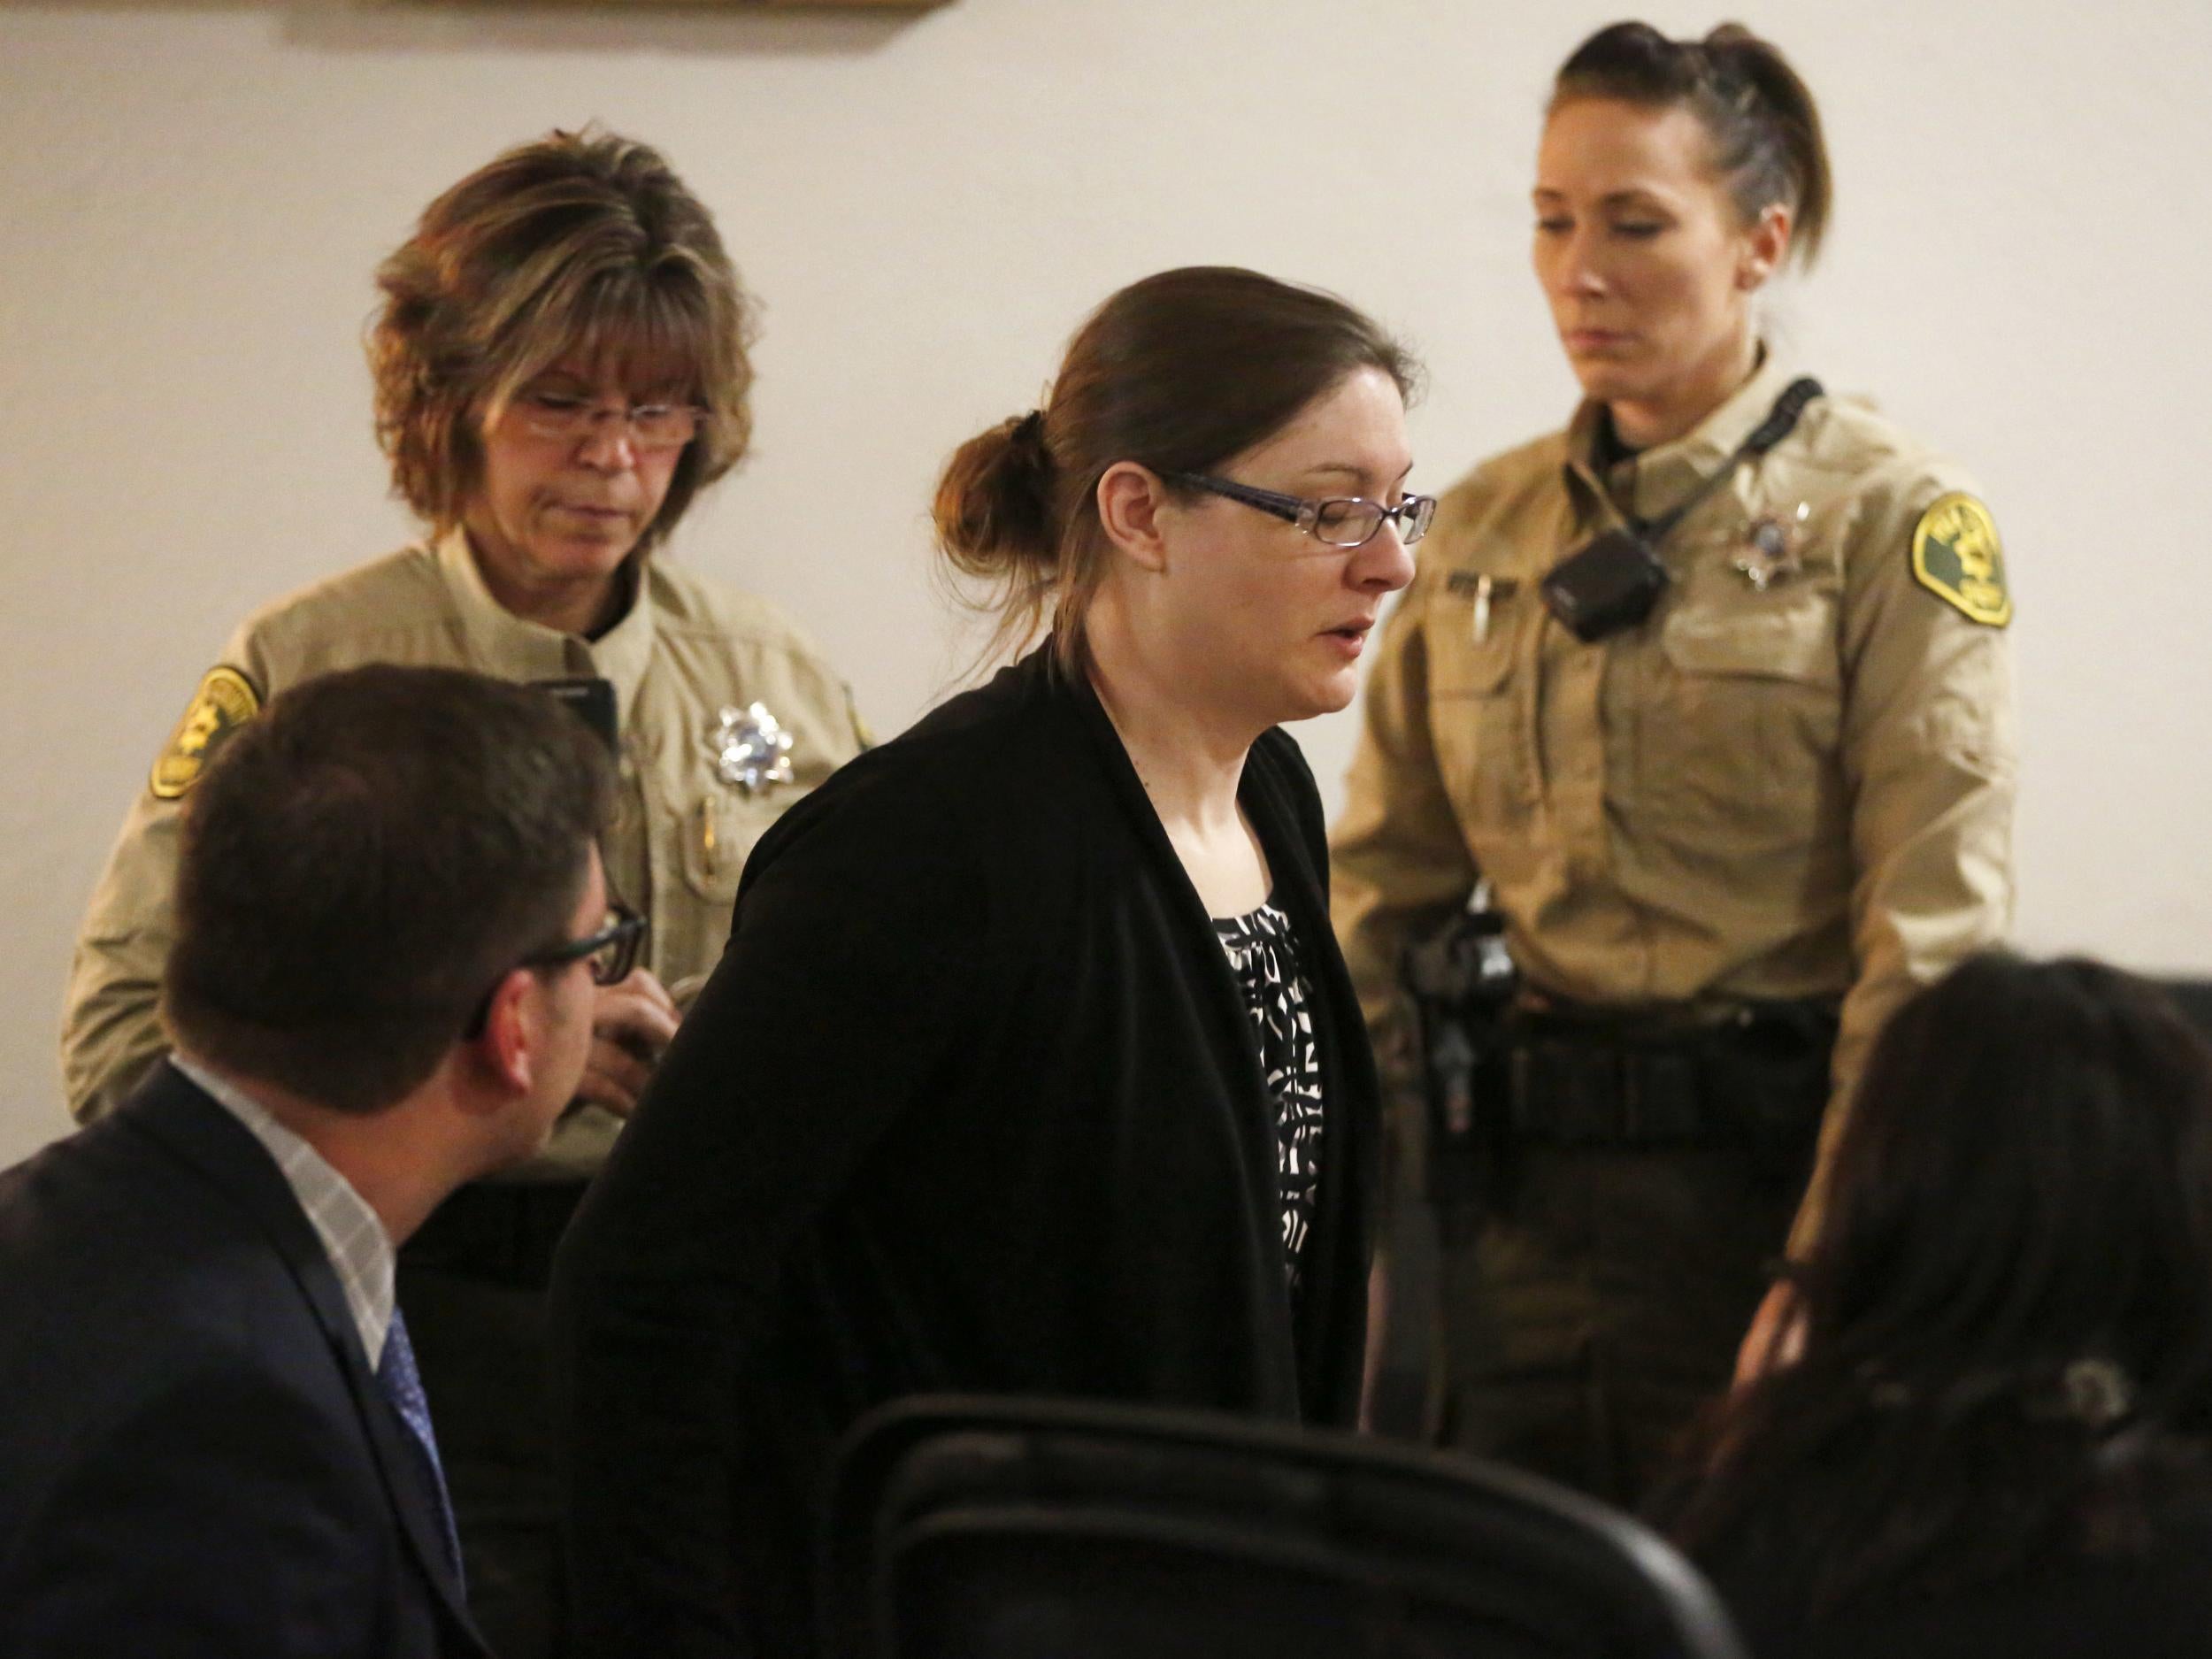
(1956, 556)
(225, 702)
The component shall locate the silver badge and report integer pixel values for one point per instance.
(1770, 551)
(751, 750)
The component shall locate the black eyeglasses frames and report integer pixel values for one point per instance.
(612, 952)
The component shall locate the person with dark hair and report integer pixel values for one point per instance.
(561, 365)
(1705, 702)
(1032, 1066)
(1996, 1436)
(390, 915)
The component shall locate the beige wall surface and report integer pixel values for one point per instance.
(192, 197)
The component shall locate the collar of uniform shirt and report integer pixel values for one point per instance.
(1652, 482)
(511, 647)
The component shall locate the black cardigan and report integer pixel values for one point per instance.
(972, 1103)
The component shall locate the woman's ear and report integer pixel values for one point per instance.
(1765, 247)
(1130, 500)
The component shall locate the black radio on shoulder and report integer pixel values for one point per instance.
(591, 699)
(1608, 586)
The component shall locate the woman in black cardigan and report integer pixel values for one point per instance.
(1032, 1066)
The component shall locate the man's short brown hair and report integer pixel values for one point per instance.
(363, 862)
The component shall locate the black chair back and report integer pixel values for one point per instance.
(2192, 997)
(1013, 1529)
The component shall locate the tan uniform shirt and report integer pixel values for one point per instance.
(1795, 790)
(687, 650)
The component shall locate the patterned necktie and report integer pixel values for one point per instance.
(402, 1384)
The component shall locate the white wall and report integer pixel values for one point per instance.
(192, 197)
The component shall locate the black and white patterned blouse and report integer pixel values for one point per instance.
(1263, 954)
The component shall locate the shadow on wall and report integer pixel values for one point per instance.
(731, 28)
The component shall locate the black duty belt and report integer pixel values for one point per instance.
(501, 1231)
(1576, 1092)
(1760, 1076)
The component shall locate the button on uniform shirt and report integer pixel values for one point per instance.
(1792, 780)
(685, 650)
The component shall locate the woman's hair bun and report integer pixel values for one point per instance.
(993, 511)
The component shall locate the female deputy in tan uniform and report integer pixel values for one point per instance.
(560, 368)
(1724, 837)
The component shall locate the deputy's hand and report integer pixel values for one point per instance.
(633, 1021)
(1776, 1336)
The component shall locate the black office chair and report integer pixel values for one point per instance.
(963, 1528)
(2192, 997)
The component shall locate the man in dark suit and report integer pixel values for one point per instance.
(390, 915)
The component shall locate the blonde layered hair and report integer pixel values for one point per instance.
(580, 248)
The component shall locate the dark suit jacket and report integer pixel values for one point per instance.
(972, 1103)
(194, 1458)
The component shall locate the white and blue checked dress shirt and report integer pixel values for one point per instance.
(361, 1255)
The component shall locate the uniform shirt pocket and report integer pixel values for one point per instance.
(1794, 641)
(721, 825)
(1477, 719)
(1740, 730)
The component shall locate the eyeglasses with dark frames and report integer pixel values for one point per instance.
(612, 952)
(1345, 521)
